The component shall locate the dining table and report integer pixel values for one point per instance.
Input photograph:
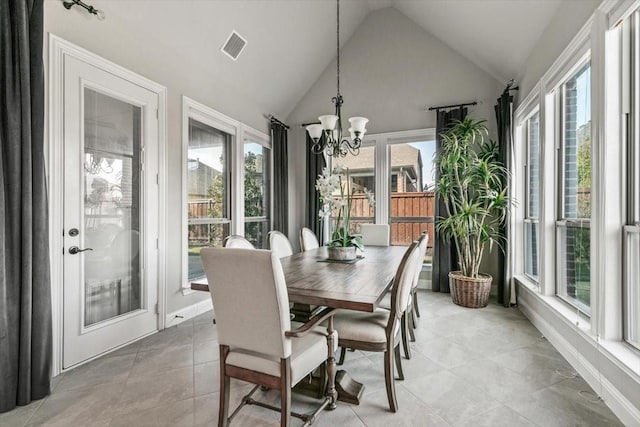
(360, 284)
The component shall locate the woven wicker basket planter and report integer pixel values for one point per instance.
(469, 292)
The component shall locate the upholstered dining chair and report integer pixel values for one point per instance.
(308, 239)
(409, 321)
(256, 342)
(280, 244)
(375, 234)
(380, 331)
(235, 241)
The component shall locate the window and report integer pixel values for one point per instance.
(631, 233)
(573, 231)
(362, 175)
(208, 191)
(532, 196)
(257, 166)
(226, 184)
(411, 196)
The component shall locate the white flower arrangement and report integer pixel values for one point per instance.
(336, 194)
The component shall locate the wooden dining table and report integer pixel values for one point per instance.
(359, 285)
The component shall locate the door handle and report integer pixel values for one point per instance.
(74, 250)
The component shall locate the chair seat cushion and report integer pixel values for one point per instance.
(307, 353)
(362, 326)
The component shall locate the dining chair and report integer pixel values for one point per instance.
(257, 345)
(375, 234)
(235, 241)
(280, 244)
(409, 322)
(380, 331)
(308, 239)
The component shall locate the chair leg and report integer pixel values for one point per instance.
(416, 308)
(398, 360)
(225, 387)
(389, 379)
(405, 340)
(412, 320)
(343, 354)
(285, 392)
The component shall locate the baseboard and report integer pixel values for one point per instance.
(188, 312)
(621, 406)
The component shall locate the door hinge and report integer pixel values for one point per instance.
(157, 243)
(157, 114)
(155, 308)
(157, 179)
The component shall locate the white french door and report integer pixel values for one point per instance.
(110, 211)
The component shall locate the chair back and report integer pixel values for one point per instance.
(423, 241)
(235, 241)
(308, 239)
(402, 283)
(250, 300)
(375, 234)
(280, 244)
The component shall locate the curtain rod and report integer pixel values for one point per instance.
(273, 119)
(453, 106)
(304, 125)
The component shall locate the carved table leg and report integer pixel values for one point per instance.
(332, 394)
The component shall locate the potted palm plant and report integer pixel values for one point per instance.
(473, 187)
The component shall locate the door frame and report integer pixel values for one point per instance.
(54, 149)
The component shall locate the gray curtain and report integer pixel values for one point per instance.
(444, 253)
(504, 117)
(25, 299)
(280, 177)
(315, 164)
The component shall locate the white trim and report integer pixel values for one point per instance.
(618, 10)
(527, 107)
(569, 347)
(189, 312)
(58, 49)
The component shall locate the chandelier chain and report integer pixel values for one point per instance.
(338, 43)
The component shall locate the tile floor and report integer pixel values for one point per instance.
(487, 367)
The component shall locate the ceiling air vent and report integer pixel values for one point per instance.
(234, 45)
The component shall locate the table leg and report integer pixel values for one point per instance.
(332, 394)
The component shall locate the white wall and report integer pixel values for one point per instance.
(569, 18)
(391, 70)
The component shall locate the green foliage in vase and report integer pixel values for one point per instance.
(473, 187)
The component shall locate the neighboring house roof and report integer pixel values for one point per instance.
(403, 155)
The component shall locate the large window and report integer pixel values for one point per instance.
(412, 191)
(257, 161)
(573, 231)
(532, 195)
(631, 273)
(226, 184)
(208, 195)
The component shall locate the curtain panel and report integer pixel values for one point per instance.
(25, 298)
(279, 136)
(504, 117)
(315, 164)
(445, 258)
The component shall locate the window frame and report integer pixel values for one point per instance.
(250, 135)
(238, 132)
(527, 217)
(561, 220)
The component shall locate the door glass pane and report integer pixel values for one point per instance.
(412, 192)
(112, 148)
(208, 192)
(362, 176)
(256, 193)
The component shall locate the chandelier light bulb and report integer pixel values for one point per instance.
(328, 121)
(315, 131)
(358, 124)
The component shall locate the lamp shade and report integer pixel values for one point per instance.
(315, 131)
(358, 124)
(328, 122)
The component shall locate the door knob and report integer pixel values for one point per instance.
(74, 250)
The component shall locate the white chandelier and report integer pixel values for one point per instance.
(333, 144)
